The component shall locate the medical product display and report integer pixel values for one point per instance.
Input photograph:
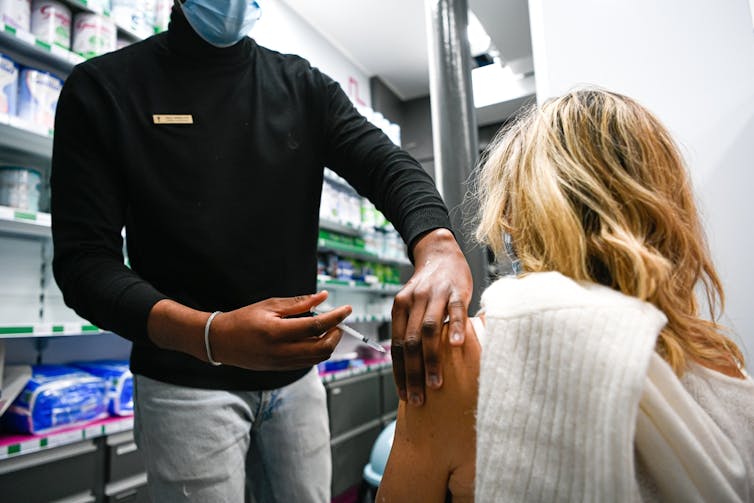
(57, 397)
(8, 85)
(51, 22)
(117, 374)
(20, 187)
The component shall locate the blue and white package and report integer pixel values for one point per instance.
(57, 397)
(8, 85)
(38, 94)
(118, 375)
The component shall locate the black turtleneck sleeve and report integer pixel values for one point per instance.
(89, 203)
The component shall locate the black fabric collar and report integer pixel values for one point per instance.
(183, 40)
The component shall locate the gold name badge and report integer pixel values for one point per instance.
(173, 119)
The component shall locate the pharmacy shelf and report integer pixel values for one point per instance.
(24, 223)
(367, 318)
(15, 445)
(12, 445)
(25, 330)
(84, 6)
(345, 250)
(358, 286)
(373, 366)
(339, 227)
(24, 143)
(25, 45)
(35, 224)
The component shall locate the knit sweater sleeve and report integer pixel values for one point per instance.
(89, 203)
(562, 372)
(686, 453)
(379, 170)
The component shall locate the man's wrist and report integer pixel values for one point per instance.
(432, 241)
(173, 326)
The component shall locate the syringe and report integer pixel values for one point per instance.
(354, 333)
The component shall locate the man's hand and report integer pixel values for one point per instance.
(441, 285)
(260, 336)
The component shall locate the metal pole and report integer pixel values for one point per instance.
(454, 128)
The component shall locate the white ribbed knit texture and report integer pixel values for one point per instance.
(563, 368)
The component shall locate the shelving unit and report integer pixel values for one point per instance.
(84, 6)
(14, 445)
(26, 45)
(358, 286)
(48, 330)
(325, 245)
(24, 223)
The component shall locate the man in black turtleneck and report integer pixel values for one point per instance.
(210, 150)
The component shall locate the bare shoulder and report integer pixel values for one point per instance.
(444, 427)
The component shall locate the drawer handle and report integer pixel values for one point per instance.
(336, 391)
(125, 448)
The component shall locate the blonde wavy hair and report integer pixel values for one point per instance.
(591, 184)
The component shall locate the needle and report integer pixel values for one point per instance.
(354, 333)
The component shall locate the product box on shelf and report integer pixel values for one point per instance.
(8, 85)
(93, 34)
(38, 95)
(57, 397)
(16, 13)
(20, 187)
(51, 22)
(121, 383)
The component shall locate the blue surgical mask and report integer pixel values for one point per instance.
(511, 253)
(221, 23)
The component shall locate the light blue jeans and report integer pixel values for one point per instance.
(214, 446)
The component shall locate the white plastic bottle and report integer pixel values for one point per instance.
(38, 97)
(16, 13)
(93, 35)
(51, 22)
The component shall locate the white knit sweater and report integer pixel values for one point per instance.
(571, 389)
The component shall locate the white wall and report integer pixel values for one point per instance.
(281, 29)
(692, 63)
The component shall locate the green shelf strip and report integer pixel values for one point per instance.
(25, 215)
(89, 328)
(343, 282)
(334, 245)
(16, 330)
(43, 45)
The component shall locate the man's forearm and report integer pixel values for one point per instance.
(176, 327)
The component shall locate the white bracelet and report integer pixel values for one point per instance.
(206, 338)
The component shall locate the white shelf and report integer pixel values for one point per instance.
(325, 245)
(37, 224)
(24, 330)
(30, 46)
(24, 223)
(15, 445)
(350, 372)
(340, 227)
(367, 319)
(358, 286)
(24, 143)
(83, 5)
